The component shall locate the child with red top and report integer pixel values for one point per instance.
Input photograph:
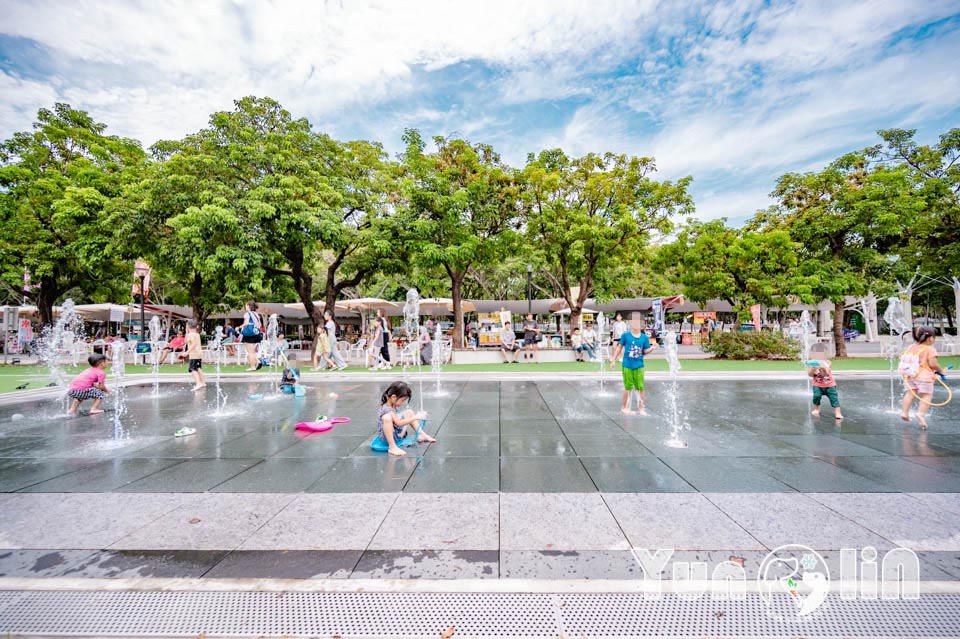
(823, 382)
(90, 384)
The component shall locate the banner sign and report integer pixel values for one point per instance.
(755, 314)
(24, 334)
(657, 308)
(700, 317)
(139, 266)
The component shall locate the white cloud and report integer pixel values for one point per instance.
(781, 126)
(19, 101)
(732, 92)
(316, 57)
(736, 206)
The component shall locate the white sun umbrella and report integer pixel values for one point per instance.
(361, 304)
(339, 306)
(443, 306)
(106, 313)
(368, 304)
(566, 311)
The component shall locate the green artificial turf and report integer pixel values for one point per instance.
(36, 376)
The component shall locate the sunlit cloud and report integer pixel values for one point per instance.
(734, 93)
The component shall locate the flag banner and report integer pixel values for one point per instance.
(139, 267)
(755, 314)
(24, 334)
(657, 307)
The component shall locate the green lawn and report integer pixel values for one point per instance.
(36, 376)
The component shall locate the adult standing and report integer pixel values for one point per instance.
(385, 342)
(531, 333)
(619, 328)
(251, 334)
(426, 344)
(331, 327)
(381, 340)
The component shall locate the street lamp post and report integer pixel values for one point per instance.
(529, 289)
(142, 301)
(141, 273)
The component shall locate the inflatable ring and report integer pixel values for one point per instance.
(381, 446)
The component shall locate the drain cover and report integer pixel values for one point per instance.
(492, 615)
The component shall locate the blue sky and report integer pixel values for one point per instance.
(733, 93)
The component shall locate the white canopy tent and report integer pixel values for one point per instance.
(443, 306)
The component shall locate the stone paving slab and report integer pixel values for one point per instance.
(406, 564)
(428, 564)
(569, 564)
(902, 519)
(687, 521)
(551, 521)
(285, 564)
(777, 519)
(478, 521)
(216, 522)
(83, 520)
(430, 521)
(323, 522)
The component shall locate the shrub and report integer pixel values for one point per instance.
(752, 345)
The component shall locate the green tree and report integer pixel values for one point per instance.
(186, 225)
(934, 170)
(740, 266)
(846, 217)
(365, 236)
(465, 203)
(61, 200)
(283, 194)
(589, 215)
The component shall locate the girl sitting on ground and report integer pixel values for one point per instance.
(391, 425)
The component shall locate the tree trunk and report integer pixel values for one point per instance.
(456, 291)
(46, 298)
(576, 305)
(196, 289)
(839, 344)
(333, 288)
(303, 284)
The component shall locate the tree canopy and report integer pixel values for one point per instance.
(259, 204)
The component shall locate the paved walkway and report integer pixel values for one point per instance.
(529, 479)
(465, 535)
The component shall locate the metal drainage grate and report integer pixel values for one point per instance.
(295, 614)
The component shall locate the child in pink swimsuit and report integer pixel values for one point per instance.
(920, 383)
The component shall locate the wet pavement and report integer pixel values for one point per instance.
(538, 479)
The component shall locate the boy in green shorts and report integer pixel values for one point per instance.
(634, 344)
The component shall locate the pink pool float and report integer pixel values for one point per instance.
(321, 426)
